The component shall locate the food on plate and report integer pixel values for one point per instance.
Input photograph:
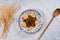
(36, 22)
(25, 16)
(30, 21)
(33, 15)
(24, 24)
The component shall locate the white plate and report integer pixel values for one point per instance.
(38, 16)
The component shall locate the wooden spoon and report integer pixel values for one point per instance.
(55, 14)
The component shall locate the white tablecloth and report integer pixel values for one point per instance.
(47, 7)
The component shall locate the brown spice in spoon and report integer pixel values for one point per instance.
(55, 14)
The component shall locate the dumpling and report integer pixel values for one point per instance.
(30, 28)
(33, 15)
(23, 24)
(36, 22)
(25, 16)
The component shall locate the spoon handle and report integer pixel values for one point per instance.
(45, 28)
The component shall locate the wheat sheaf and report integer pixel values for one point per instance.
(6, 16)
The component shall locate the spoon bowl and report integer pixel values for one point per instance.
(56, 12)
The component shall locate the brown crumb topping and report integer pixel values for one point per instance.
(30, 21)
